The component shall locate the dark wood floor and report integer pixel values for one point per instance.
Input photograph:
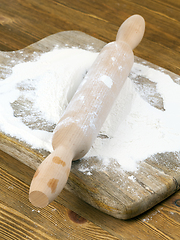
(23, 22)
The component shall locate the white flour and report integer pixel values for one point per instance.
(34, 96)
(38, 92)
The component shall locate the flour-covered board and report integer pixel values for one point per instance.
(134, 162)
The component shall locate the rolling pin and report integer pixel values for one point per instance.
(84, 116)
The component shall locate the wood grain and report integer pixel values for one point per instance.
(25, 22)
(23, 221)
(20, 220)
(100, 19)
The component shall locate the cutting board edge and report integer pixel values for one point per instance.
(20, 151)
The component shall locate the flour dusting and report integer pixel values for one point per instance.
(143, 121)
(145, 130)
(106, 80)
(35, 95)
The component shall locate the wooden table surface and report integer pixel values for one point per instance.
(23, 22)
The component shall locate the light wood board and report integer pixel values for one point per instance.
(110, 191)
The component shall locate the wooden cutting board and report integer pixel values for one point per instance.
(110, 191)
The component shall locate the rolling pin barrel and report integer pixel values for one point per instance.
(87, 111)
(94, 98)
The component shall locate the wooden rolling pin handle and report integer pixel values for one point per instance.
(50, 177)
(131, 31)
(70, 141)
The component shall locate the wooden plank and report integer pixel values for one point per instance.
(99, 189)
(24, 22)
(19, 217)
(20, 220)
